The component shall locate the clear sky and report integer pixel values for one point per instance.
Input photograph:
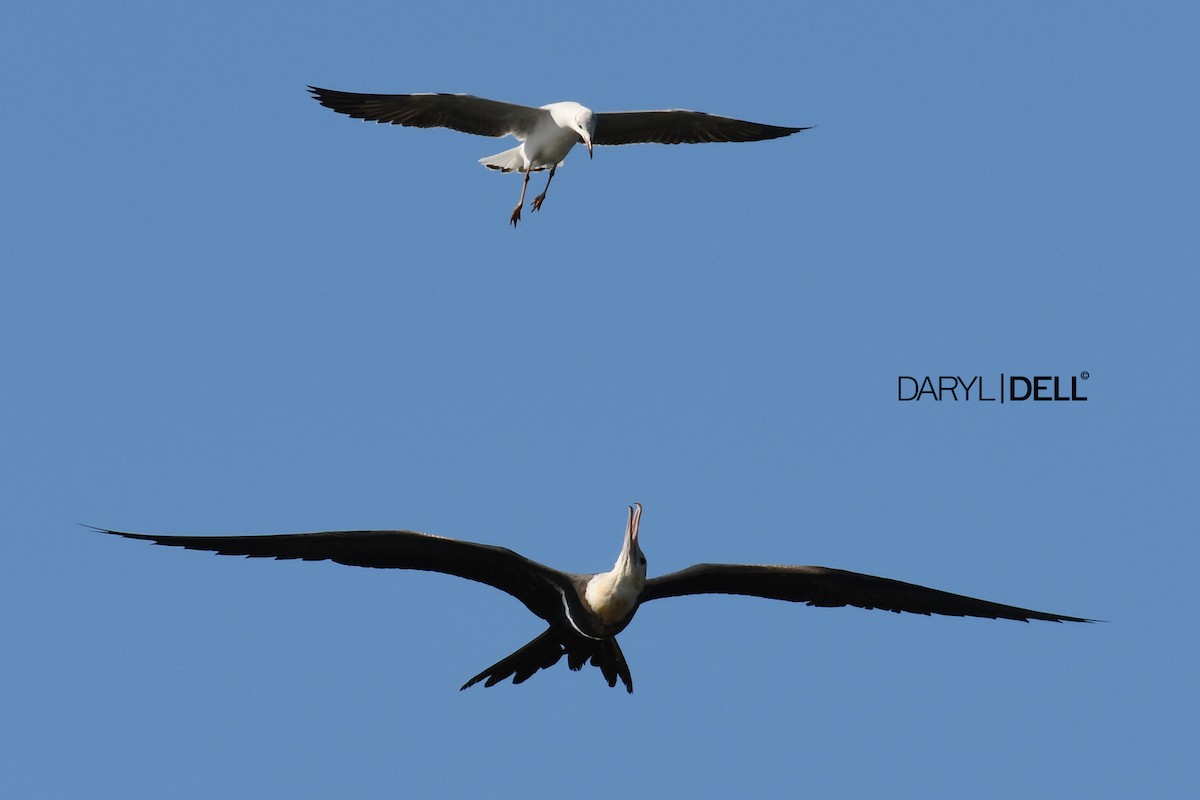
(227, 310)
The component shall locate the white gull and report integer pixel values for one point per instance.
(547, 133)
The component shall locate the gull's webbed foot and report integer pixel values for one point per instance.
(537, 202)
(516, 216)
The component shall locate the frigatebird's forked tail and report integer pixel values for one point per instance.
(546, 650)
(586, 612)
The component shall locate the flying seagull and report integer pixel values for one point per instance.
(546, 134)
(586, 612)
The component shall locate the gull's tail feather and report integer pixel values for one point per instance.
(508, 161)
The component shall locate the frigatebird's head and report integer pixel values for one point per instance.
(632, 561)
(614, 596)
(585, 125)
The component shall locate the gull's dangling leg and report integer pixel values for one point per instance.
(537, 201)
(516, 215)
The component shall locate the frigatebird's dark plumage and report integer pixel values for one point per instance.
(586, 612)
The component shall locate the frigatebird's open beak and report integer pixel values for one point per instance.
(631, 528)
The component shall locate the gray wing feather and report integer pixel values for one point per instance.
(461, 112)
(823, 586)
(680, 127)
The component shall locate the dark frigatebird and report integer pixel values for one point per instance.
(586, 612)
(546, 134)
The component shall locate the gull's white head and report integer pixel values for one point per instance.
(585, 125)
(569, 115)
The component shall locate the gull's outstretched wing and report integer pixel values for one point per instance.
(461, 112)
(680, 127)
(539, 587)
(822, 586)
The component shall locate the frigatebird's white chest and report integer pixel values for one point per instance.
(612, 596)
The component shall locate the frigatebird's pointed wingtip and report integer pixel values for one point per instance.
(146, 537)
(111, 532)
(1057, 619)
(785, 130)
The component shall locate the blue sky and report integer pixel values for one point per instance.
(225, 309)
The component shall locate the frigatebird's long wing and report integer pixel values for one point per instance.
(537, 586)
(678, 126)
(461, 112)
(822, 586)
